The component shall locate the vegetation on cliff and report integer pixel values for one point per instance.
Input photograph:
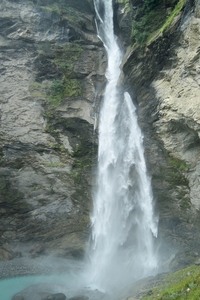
(150, 17)
(183, 284)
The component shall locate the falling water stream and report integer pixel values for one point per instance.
(123, 224)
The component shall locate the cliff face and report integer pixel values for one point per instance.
(51, 61)
(165, 78)
(52, 77)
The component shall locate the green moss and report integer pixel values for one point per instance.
(39, 90)
(61, 89)
(55, 164)
(61, 8)
(176, 174)
(127, 5)
(183, 284)
(178, 164)
(151, 19)
(177, 9)
(65, 57)
(81, 166)
(85, 158)
(146, 24)
(72, 88)
(148, 17)
(53, 9)
(62, 59)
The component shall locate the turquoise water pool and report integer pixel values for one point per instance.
(10, 287)
(67, 277)
(70, 284)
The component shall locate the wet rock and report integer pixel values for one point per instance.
(45, 158)
(79, 298)
(59, 296)
(18, 297)
(4, 254)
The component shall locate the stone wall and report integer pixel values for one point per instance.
(51, 63)
(164, 79)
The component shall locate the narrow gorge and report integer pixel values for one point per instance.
(53, 77)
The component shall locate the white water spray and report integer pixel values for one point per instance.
(123, 224)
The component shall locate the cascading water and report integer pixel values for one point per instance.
(123, 225)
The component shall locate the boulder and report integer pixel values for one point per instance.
(18, 297)
(81, 297)
(57, 296)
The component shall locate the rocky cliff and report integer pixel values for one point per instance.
(164, 78)
(51, 65)
(52, 77)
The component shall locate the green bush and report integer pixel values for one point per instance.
(57, 88)
(150, 19)
(61, 89)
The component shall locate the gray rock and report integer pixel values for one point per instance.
(41, 184)
(59, 296)
(164, 80)
(79, 298)
(18, 297)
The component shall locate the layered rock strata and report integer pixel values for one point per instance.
(47, 138)
(165, 79)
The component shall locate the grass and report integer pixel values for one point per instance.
(61, 89)
(177, 9)
(176, 173)
(183, 284)
(178, 164)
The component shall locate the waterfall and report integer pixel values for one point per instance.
(123, 224)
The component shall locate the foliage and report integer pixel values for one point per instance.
(143, 28)
(65, 57)
(176, 173)
(179, 6)
(151, 19)
(183, 284)
(60, 8)
(178, 164)
(61, 89)
(62, 59)
(148, 17)
(72, 87)
(85, 157)
(127, 5)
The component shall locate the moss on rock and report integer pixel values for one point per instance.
(183, 284)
